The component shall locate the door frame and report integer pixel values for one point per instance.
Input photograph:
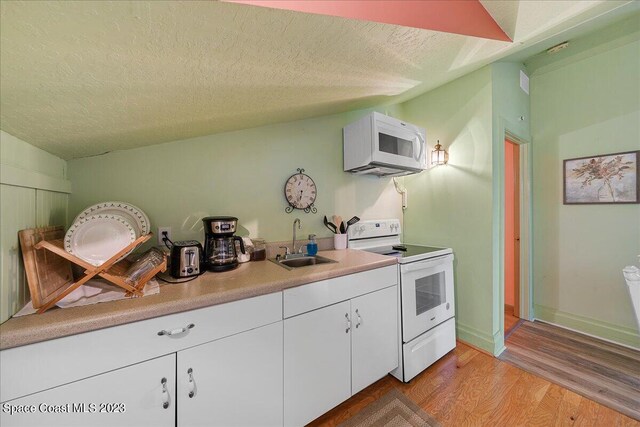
(523, 293)
(515, 214)
(519, 134)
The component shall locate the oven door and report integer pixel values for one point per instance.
(427, 295)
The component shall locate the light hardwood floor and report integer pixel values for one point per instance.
(470, 388)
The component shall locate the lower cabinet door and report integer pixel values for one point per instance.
(317, 362)
(138, 395)
(375, 341)
(234, 381)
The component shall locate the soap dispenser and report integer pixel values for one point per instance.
(312, 246)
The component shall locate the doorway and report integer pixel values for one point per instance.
(512, 215)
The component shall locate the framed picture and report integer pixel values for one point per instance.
(604, 179)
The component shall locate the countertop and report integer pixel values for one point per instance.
(248, 280)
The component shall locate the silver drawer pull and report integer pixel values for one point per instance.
(192, 384)
(178, 331)
(348, 323)
(166, 399)
(359, 319)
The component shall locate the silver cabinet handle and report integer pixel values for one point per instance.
(348, 323)
(359, 319)
(166, 398)
(192, 384)
(178, 331)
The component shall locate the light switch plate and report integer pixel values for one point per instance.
(524, 82)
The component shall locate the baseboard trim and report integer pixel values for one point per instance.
(475, 347)
(595, 328)
(475, 338)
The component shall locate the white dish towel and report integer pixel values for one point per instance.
(93, 292)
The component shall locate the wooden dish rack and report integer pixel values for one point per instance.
(50, 278)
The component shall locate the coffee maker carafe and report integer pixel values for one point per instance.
(220, 243)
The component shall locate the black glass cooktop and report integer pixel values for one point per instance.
(407, 251)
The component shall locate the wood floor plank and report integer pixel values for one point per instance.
(490, 404)
(518, 405)
(587, 355)
(439, 373)
(569, 375)
(546, 412)
(565, 334)
(595, 369)
(447, 393)
(587, 413)
(568, 409)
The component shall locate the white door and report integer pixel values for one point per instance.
(234, 381)
(374, 340)
(138, 395)
(317, 362)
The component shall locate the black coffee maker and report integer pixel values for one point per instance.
(220, 243)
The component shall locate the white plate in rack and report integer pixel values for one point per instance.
(96, 238)
(132, 213)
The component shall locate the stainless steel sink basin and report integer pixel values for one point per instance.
(301, 261)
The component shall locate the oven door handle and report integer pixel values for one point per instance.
(422, 265)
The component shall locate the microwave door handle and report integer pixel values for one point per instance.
(421, 142)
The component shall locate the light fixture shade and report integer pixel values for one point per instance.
(439, 155)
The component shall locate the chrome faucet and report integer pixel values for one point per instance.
(293, 246)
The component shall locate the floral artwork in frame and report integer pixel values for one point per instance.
(603, 179)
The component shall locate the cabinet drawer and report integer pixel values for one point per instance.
(31, 368)
(326, 292)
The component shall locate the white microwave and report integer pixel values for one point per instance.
(384, 146)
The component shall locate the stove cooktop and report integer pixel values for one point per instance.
(408, 253)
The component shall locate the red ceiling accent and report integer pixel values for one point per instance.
(467, 17)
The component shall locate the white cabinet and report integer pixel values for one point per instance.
(28, 369)
(333, 352)
(233, 364)
(234, 349)
(138, 395)
(235, 381)
(317, 363)
(374, 339)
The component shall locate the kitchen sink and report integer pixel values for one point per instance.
(301, 261)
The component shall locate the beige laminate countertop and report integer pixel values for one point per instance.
(248, 280)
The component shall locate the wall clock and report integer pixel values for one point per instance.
(300, 192)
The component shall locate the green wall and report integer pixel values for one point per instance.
(586, 102)
(33, 193)
(461, 205)
(238, 173)
(510, 116)
(452, 205)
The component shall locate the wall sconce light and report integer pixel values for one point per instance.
(439, 155)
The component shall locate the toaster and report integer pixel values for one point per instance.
(186, 259)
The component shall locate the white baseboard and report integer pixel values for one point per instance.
(626, 337)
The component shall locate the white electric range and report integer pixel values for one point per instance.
(427, 323)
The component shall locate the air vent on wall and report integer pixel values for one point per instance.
(557, 48)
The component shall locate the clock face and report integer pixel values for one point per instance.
(300, 191)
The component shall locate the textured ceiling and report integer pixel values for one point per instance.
(83, 78)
